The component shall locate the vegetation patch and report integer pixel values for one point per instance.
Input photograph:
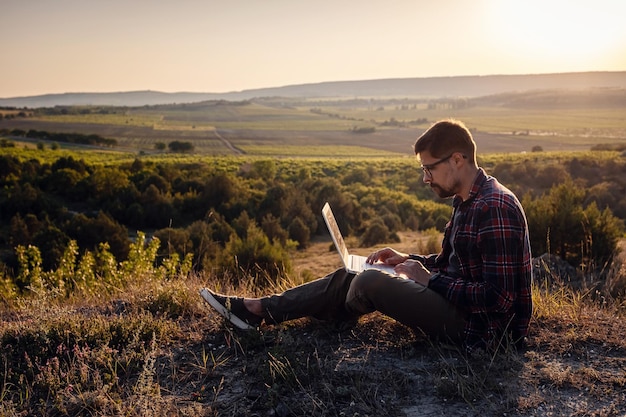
(156, 348)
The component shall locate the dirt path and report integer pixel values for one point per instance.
(229, 145)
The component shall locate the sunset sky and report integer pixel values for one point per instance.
(56, 46)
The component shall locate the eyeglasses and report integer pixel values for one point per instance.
(427, 168)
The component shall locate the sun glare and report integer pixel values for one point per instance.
(568, 30)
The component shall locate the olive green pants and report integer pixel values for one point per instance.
(343, 296)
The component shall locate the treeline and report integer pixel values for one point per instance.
(620, 147)
(13, 115)
(75, 138)
(238, 216)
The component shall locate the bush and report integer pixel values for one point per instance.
(256, 257)
(178, 146)
(299, 232)
(558, 223)
(377, 232)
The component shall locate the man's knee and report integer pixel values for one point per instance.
(367, 281)
(364, 289)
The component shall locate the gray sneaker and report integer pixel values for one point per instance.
(232, 309)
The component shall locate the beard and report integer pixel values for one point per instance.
(442, 192)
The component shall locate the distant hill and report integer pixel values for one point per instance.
(461, 86)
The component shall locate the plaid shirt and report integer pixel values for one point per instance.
(491, 282)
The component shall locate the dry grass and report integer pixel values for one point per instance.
(158, 349)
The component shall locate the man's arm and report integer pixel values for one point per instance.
(488, 282)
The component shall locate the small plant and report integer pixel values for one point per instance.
(431, 242)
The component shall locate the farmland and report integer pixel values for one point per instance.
(347, 127)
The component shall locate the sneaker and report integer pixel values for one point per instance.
(232, 309)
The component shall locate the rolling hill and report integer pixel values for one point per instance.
(460, 86)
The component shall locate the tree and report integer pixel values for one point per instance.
(272, 228)
(108, 182)
(178, 146)
(52, 242)
(559, 224)
(602, 231)
(264, 169)
(377, 232)
(209, 238)
(157, 207)
(255, 256)
(10, 169)
(174, 241)
(89, 232)
(78, 165)
(63, 182)
(19, 233)
(299, 232)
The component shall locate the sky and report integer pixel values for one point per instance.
(216, 46)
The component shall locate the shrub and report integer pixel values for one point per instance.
(432, 242)
(377, 232)
(559, 223)
(299, 232)
(254, 255)
(178, 146)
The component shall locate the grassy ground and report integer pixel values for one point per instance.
(157, 349)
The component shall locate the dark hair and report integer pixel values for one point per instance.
(446, 137)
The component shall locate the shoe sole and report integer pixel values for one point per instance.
(224, 312)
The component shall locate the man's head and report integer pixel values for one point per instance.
(448, 155)
(446, 137)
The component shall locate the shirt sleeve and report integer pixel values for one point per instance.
(427, 260)
(494, 260)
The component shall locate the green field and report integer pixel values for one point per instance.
(307, 127)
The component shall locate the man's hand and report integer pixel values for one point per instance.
(414, 270)
(387, 256)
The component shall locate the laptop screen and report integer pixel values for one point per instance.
(335, 233)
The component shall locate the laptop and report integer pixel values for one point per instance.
(352, 263)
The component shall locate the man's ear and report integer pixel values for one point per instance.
(459, 158)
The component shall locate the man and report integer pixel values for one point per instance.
(476, 291)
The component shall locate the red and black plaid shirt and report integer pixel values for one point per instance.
(491, 282)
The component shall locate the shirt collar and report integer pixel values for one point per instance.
(479, 180)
